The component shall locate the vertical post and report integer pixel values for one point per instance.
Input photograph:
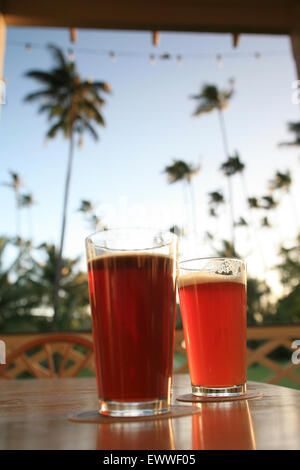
(73, 34)
(235, 39)
(155, 38)
(295, 43)
(2, 50)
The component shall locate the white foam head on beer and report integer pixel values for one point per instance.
(125, 254)
(195, 278)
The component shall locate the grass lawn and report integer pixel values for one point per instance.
(257, 373)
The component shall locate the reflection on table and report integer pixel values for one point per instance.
(136, 435)
(226, 425)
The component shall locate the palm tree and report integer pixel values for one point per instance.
(233, 165)
(74, 301)
(294, 128)
(177, 230)
(16, 295)
(210, 99)
(283, 182)
(242, 222)
(180, 170)
(253, 203)
(27, 201)
(216, 198)
(230, 167)
(15, 184)
(72, 105)
(87, 208)
(227, 250)
(268, 203)
(265, 222)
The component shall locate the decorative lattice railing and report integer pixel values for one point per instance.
(269, 347)
(269, 352)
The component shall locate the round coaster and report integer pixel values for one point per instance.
(195, 399)
(176, 411)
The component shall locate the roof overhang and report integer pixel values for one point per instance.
(221, 16)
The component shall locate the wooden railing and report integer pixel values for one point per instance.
(265, 339)
(274, 337)
(48, 356)
(269, 338)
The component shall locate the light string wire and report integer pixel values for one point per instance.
(179, 57)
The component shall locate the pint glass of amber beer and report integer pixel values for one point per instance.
(212, 295)
(132, 295)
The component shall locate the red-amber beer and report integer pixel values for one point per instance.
(213, 308)
(133, 299)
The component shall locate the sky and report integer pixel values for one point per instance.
(148, 123)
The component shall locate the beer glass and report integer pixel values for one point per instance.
(132, 275)
(212, 294)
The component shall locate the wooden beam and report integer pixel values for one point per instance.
(155, 38)
(73, 34)
(2, 52)
(295, 43)
(230, 16)
(235, 40)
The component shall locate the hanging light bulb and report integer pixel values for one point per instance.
(219, 61)
(80, 141)
(71, 56)
(257, 55)
(152, 59)
(3, 84)
(179, 59)
(112, 56)
(28, 47)
(165, 56)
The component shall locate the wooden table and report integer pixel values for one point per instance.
(33, 415)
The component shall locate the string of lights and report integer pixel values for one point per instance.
(153, 58)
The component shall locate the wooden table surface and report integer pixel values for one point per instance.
(33, 415)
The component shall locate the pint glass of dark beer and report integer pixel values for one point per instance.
(132, 295)
(212, 294)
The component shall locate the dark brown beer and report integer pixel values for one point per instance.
(133, 310)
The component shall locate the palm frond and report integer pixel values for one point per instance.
(58, 55)
(41, 76)
(294, 143)
(104, 86)
(87, 126)
(58, 126)
(210, 98)
(203, 108)
(71, 104)
(91, 111)
(41, 94)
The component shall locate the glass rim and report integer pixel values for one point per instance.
(208, 258)
(173, 237)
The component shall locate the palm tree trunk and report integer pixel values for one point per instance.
(253, 230)
(18, 234)
(30, 224)
(294, 210)
(230, 191)
(62, 236)
(184, 224)
(193, 203)
(224, 133)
